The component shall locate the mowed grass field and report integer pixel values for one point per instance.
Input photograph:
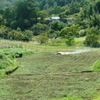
(45, 75)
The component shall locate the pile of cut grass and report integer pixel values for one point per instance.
(4, 61)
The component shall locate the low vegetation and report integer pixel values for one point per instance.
(8, 56)
(96, 65)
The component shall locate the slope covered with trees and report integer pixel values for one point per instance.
(27, 18)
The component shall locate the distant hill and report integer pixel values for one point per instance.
(43, 3)
(6, 3)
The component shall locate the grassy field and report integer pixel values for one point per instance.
(44, 48)
(45, 75)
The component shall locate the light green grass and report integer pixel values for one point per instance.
(51, 47)
(67, 98)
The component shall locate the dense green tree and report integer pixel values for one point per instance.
(39, 28)
(53, 34)
(7, 16)
(20, 23)
(42, 14)
(26, 13)
(70, 31)
(97, 6)
(57, 26)
(1, 20)
(94, 20)
(93, 30)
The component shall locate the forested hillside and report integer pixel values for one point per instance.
(28, 18)
(6, 3)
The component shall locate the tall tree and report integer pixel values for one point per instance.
(27, 10)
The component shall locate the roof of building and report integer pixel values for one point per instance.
(55, 17)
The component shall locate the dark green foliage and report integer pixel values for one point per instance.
(53, 34)
(97, 6)
(69, 40)
(20, 23)
(57, 26)
(23, 15)
(93, 30)
(93, 36)
(92, 40)
(70, 31)
(42, 14)
(39, 28)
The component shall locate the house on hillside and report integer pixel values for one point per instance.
(55, 18)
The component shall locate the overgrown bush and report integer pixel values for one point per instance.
(82, 33)
(28, 35)
(55, 42)
(92, 40)
(70, 31)
(42, 38)
(69, 40)
(15, 35)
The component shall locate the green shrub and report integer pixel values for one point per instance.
(92, 40)
(56, 42)
(69, 40)
(96, 65)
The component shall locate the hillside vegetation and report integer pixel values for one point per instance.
(8, 59)
(28, 20)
